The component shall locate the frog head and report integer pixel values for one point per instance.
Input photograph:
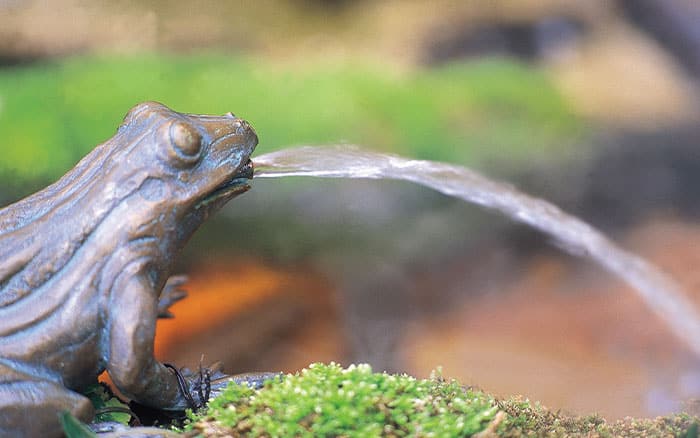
(184, 166)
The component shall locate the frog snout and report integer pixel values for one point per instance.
(220, 128)
(243, 128)
(245, 131)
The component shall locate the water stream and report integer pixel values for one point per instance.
(659, 292)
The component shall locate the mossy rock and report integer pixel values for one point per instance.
(329, 400)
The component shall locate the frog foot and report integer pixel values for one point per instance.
(171, 294)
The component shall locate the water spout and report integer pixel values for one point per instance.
(659, 292)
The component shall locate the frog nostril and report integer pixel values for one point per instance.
(242, 127)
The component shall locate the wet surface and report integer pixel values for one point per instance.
(571, 336)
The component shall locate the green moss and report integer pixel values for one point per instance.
(328, 400)
(528, 419)
(53, 113)
(108, 408)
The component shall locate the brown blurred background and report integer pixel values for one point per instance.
(592, 105)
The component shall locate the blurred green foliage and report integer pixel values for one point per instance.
(53, 113)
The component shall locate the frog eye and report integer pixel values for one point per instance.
(186, 142)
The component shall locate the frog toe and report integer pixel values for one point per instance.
(171, 294)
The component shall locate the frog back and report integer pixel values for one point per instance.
(41, 234)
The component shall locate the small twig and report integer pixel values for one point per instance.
(135, 420)
(491, 429)
(184, 388)
(204, 381)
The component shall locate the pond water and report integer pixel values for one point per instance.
(659, 292)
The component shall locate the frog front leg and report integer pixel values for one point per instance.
(133, 310)
(171, 294)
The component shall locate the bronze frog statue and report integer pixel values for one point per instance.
(84, 264)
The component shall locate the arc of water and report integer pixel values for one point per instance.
(658, 291)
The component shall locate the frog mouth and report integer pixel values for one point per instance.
(237, 184)
(244, 174)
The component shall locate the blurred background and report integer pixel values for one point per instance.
(591, 105)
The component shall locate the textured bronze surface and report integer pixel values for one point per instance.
(84, 263)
